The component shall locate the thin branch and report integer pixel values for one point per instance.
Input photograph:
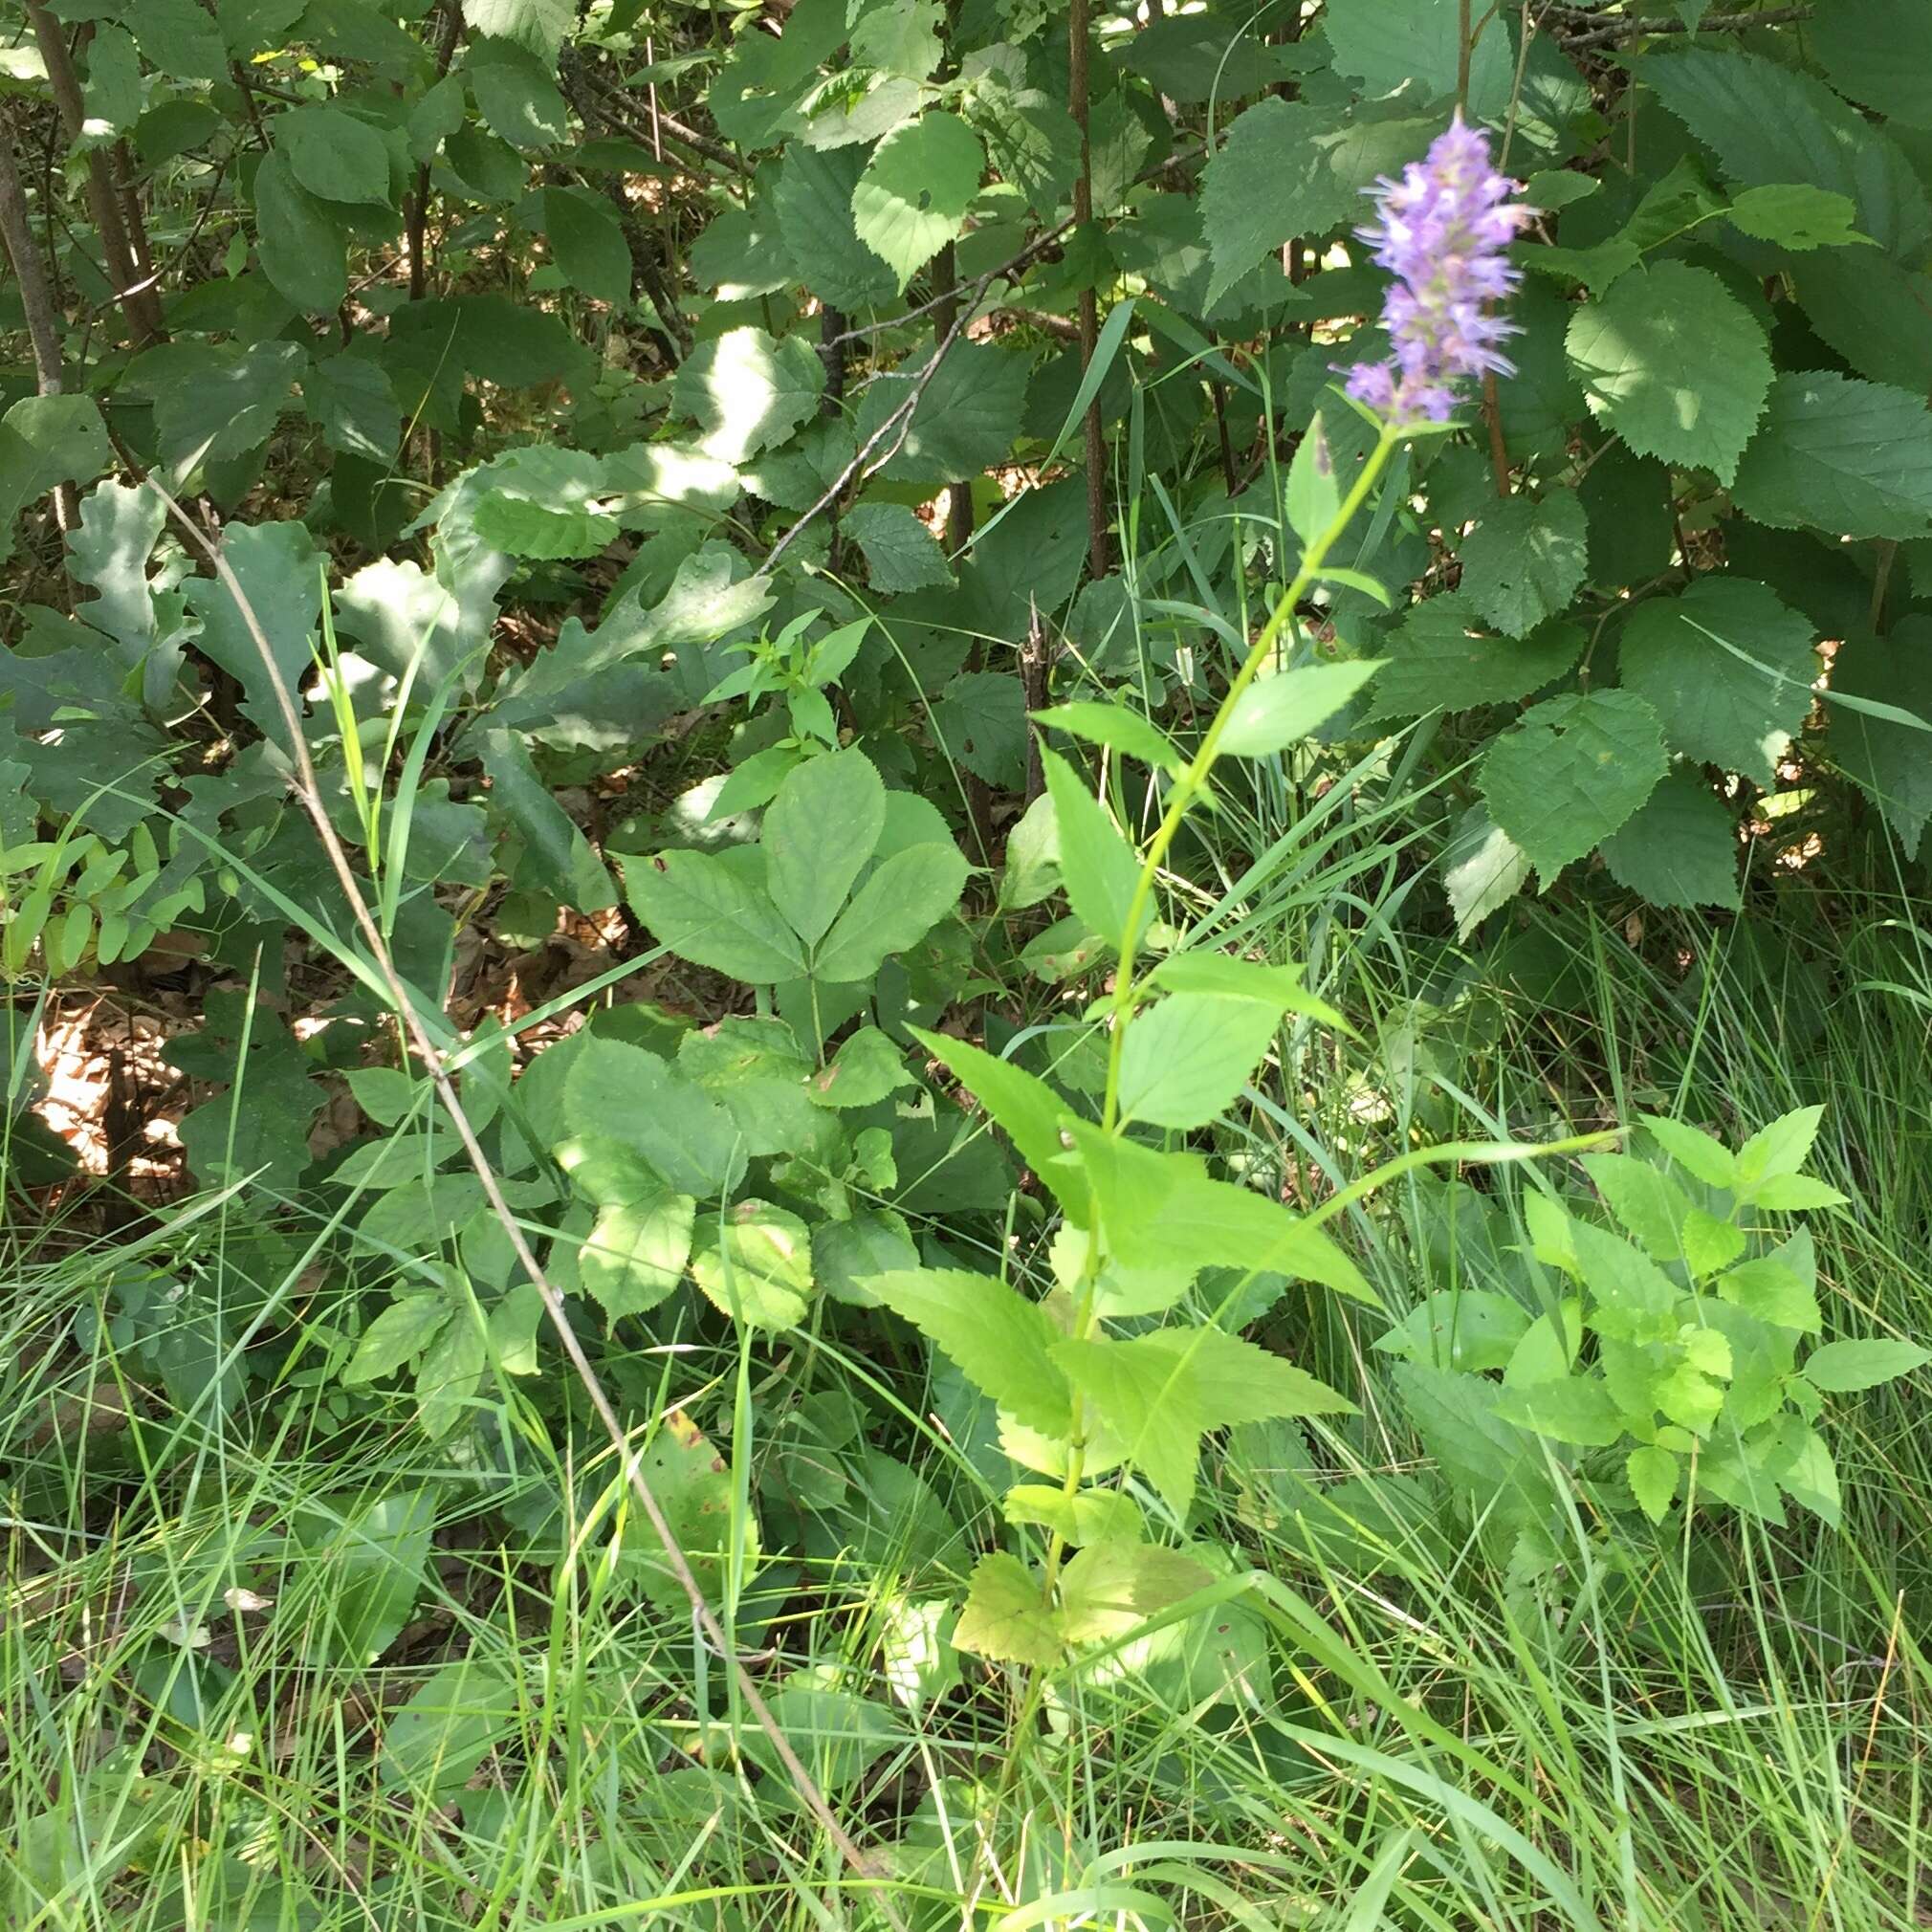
(308, 793)
(36, 297)
(1630, 28)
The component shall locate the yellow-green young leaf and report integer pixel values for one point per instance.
(1780, 1146)
(1086, 1516)
(1282, 710)
(1645, 1200)
(1279, 988)
(1710, 1243)
(1163, 1208)
(820, 830)
(1844, 1367)
(760, 1271)
(636, 1250)
(1000, 1340)
(400, 1333)
(1096, 863)
(1696, 1152)
(1113, 1587)
(1188, 1057)
(1790, 1191)
(1768, 1289)
(1159, 1394)
(1006, 1618)
(867, 1068)
(1675, 364)
(912, 197)
(1652, 1473)
(1576, 1410)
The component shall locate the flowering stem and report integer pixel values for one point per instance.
(1193, 782)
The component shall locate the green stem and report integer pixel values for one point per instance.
(1187, 787)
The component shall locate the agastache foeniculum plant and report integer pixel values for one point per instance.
(1442, 232)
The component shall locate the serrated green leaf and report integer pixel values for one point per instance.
(1727, 667)
(818, 833)
(747, 392)
(905, 897)
(1680, 847)
(980, 718)
(587, 245)
(1673, 362)
(759, 1269)
(901, 553)
(912, 197)
(1160, 1393)
(1188, 1057)
(450, 1374)
(1442, 655)
(1845, 1367)
(965, 420)
(1766, 1289)
(706, 911)
(1769, 124)
(1696, 1152)
(1006, 1618)
(620, 1092)
(398, 1335)
(998, 1339)
(1576, 1410)
(1390, 44)
(540, 25)
(1571, 773)
(1286, 707)
(1796, 217)
(1876, 52)
(1525, 560)
(636, 1250)
(1096, 863)
(1840, 455)
(1652, 1475)
(1113, 1587)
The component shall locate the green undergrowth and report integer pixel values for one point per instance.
(1386, 1718)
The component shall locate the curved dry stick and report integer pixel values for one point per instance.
(308, 792)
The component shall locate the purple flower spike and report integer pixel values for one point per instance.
(1442, 232)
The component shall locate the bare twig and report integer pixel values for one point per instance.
(1079, 45)
(309, 795)
(900, 421)
(36, 297)
(1630, 28)
(138, 302)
